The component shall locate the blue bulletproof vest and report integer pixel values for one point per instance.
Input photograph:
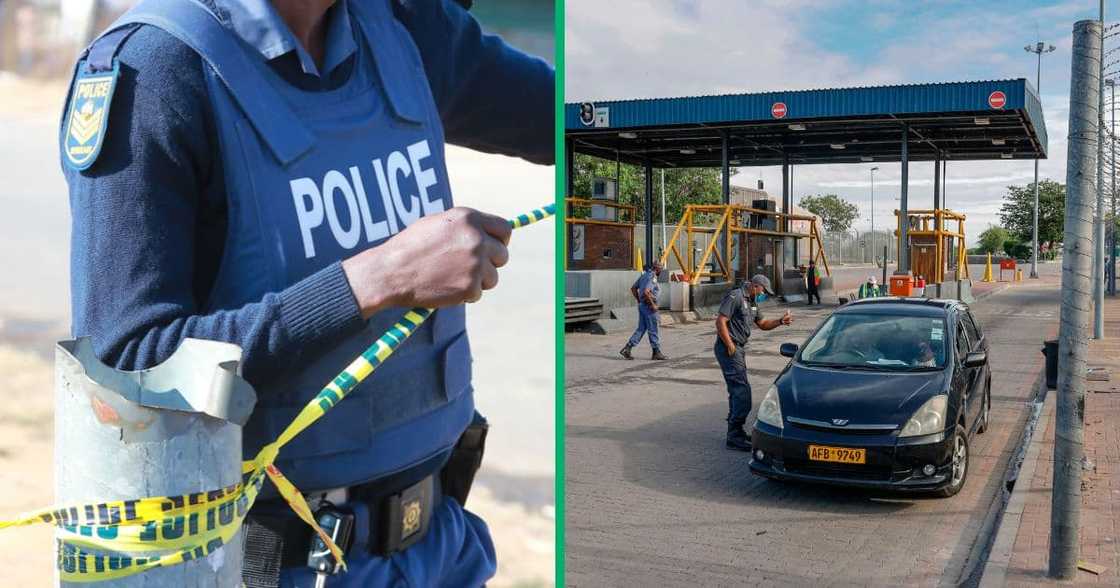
(314, 177)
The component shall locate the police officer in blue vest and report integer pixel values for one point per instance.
(645, 290)
(271, 174)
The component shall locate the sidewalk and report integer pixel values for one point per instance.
(1100, 499)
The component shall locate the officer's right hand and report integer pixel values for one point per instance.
(440, 260)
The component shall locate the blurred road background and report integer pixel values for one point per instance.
(515, 490)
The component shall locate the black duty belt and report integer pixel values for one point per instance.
(393, 512)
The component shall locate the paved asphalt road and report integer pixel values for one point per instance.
(654, 498)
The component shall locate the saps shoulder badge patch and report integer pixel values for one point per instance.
(88, 116)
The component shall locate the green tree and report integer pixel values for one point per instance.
(1013, 247)
(836, 213)
(701, 185)
(992, 240)
(1017, 212)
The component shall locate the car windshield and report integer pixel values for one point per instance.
(878, 342)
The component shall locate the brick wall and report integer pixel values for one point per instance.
(604, 247)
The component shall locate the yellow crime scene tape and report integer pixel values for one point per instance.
(120, 538)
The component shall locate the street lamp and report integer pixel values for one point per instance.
(873, 250)
(1038, 49)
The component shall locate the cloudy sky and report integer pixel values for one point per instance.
(659, 48)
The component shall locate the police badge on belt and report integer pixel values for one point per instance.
(88, 116)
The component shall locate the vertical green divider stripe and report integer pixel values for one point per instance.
(561, 213)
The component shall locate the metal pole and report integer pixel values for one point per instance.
(664, 245)
(649, 213)
(939, 246)
(1098, 233)
(190, 441)
(884, 283)
(1065, 499)
(903, 220)
(1112, 218)
(785, 190)
(873, 170)
(944, 180)
(1034, 239)
(725, 186)
(569, 172)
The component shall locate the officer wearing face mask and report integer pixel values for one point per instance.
(271, 173)
(738, 310)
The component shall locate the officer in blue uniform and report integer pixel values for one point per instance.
(272, 174)
(645, 290)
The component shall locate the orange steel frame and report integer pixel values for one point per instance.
(733, 218)
(932, 224)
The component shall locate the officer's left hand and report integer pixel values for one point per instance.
(440, 260)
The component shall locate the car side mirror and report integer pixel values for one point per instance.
(976, 359)
(788, 349)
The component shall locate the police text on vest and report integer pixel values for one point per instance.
(319, 201)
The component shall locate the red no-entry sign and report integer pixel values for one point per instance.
(997, 99)
(778, 110)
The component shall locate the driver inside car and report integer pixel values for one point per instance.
(924, 356)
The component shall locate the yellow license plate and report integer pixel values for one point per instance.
(837, 454)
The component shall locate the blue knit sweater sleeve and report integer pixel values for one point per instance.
(491, 97)
(145, 239)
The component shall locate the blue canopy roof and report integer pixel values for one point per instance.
(961, 120)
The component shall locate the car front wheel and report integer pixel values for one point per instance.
(958, 473)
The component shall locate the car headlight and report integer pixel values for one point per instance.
(928, 419)
(770, 411)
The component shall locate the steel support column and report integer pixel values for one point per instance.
(649, 214)
(785, 192)
(725, 192)
(939, 244)
(903, 221)
(569, 166)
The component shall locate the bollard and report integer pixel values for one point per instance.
(988, 270)
(1050, 351)
(170, 430)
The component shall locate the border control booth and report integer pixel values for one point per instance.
(931, 124)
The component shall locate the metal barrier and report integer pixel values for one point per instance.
(931, 224)
(732, 219)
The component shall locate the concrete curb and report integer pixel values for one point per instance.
(995, 290)
(995, 570)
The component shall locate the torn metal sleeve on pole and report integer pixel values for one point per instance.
(1065, 511)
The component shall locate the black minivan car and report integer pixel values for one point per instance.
(886, 393)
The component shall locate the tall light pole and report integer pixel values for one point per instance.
(873, 249)
(1098, 229)
(1038, 48)
(1111, 270)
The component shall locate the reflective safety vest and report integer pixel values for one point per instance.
(866, 291)
(314, 178)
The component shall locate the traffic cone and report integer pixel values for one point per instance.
(638, 258)
(988, 270)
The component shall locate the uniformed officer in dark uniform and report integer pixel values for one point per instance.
(812, 282)
(271, 174)
(737, 311)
